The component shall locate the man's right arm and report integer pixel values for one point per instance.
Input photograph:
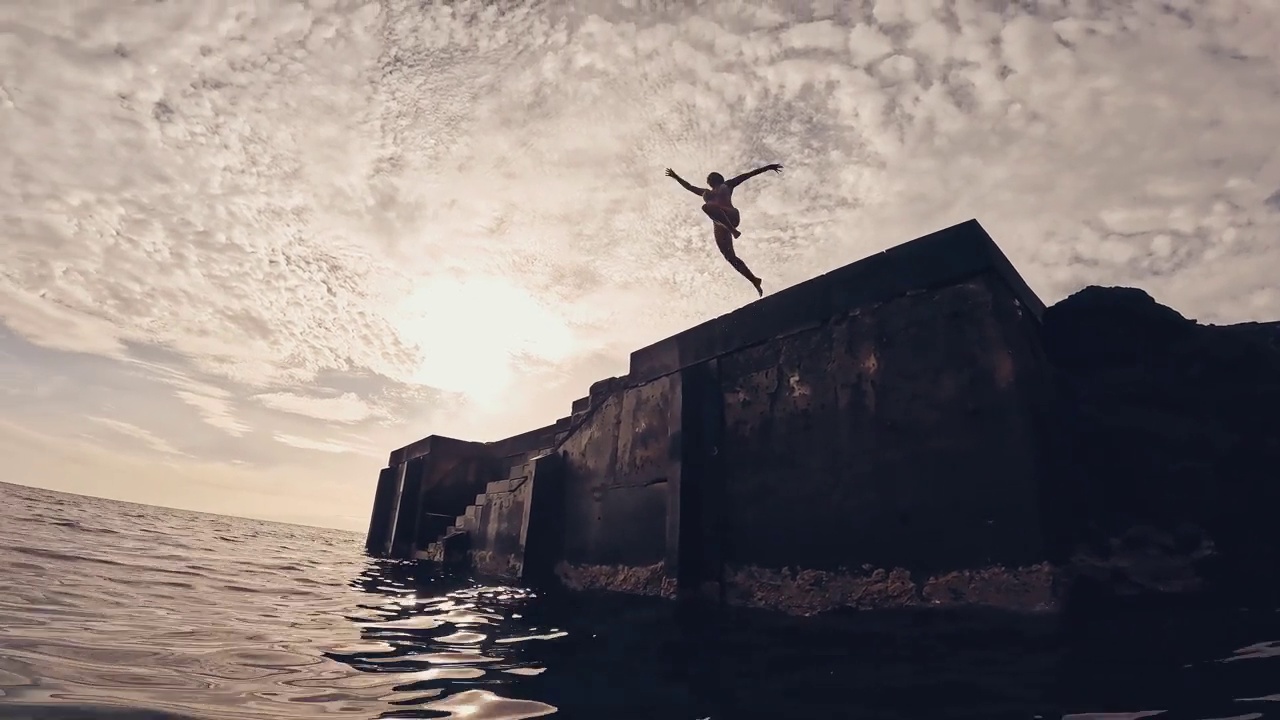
(695, 190)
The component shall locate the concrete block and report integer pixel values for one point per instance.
(849, 420)
(382, 514)
(946, 257)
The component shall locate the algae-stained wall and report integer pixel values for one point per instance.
(496, 544)
(621, 468)
(898, 437)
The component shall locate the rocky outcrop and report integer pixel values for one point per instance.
(1170, 480)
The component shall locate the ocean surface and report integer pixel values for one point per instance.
(114, 610)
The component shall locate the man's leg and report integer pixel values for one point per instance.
(721, 218)
(725, 243)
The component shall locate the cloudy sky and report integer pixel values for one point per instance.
(248, 247)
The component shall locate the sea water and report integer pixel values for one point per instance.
(115, 610)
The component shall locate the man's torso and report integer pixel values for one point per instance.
(721, 196)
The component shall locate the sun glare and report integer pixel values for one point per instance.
(470, 333)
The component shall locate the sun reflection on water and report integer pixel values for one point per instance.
(111, 611)
(439, 641)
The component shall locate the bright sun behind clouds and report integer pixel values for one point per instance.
(472, 333)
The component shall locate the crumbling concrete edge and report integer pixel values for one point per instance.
(650, 580)
(487, 563)
(1029, 589)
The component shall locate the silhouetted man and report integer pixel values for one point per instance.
(719, 207)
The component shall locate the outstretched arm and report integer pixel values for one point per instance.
(691, 188)
(735, 182)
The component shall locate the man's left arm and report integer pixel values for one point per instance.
(735, 182)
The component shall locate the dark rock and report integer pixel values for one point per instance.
(1110, 328)
(1171, 427)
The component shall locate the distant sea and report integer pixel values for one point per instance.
(114, 610)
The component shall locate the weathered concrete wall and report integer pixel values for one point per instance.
(940, 259)
(884, 453)
(881, 438)
(513, 452)
(518, 523)
(699, 529)
(382, 531)
(497, 543)
(429, 484)
(871, 438)
(455, 480)
(381, 515)
(621, 471)
(541, 532)
(902, 431)
(404, 532)
(434, 482)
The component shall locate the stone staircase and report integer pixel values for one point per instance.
(452, 547)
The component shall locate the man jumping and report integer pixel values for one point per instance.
(719, 207)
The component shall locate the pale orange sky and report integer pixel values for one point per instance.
(246, 249)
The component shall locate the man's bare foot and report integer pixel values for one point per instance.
(759, 286)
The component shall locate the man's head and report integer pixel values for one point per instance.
(715, 179)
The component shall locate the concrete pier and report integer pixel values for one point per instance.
(887, 435)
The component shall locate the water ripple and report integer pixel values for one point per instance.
(115, 610)
(110, 610)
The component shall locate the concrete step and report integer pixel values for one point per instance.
(469, 520)
(482, 498)
(498, 486)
